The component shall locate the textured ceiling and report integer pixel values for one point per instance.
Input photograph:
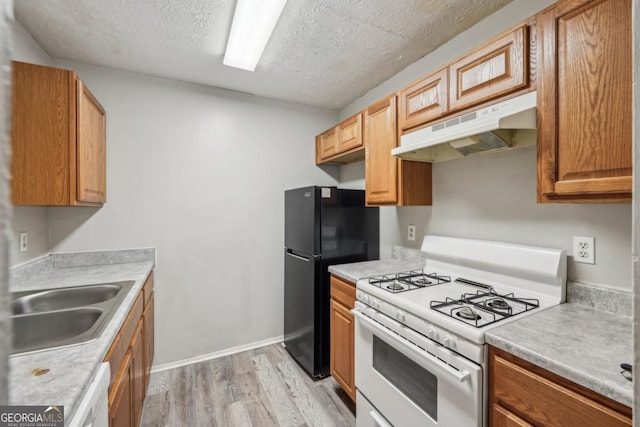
(322, 52)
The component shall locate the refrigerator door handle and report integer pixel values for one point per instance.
(300, 257)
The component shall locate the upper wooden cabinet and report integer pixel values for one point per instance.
(350, 134)
(424, 101)
(502, 67)
(585, 102)
(497, 68)
(388, 180)
(58, 139)
(342, 143)
(326, 144)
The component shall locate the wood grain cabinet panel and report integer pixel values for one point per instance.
(326, 145)
(388, 180)
(585, 102)
(138, 372)
(424, 101)
(120, 401)
(130, 357)
(522, 394)
(341, 360)
(149, 341)
(350, 134)
(58, 139)
(495, 69)
(342, 143)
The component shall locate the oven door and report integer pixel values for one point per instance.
(409, 380)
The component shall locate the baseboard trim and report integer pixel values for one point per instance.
(216, 354)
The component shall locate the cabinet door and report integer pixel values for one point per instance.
(41, 131)
(120, 403)
(149, 331)
(423, 101)
(500, 417)
(350, 134)
(91, 148)
(584, 102)
(138, 371)
(495, 69)
(342, 343)
(326, 144)
(381, 168)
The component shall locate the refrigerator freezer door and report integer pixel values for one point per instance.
(301, 331)
(302, 220)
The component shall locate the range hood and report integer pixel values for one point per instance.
(508, 124)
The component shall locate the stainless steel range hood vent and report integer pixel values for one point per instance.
(508, 124)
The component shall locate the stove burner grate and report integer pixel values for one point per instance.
(408, 281)
(493, 306)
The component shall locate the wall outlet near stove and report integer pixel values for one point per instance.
(24, 242)
(584, 249)
(411, 232)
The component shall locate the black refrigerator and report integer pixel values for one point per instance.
(323, 226)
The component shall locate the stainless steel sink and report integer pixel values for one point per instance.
(58, 299)
(53, 328)
(51, 318)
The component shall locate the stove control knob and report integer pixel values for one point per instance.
(400, 316)
(432, 333)
(364, 298)
(449, 342)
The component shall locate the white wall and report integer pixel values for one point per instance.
(34, 220)
(199, 174)
(492, 195)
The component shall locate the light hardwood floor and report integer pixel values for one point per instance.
(261, 387)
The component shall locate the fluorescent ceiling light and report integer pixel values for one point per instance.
(253, 23)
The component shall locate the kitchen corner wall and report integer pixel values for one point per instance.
(493, 195)
(198, 173)
(32, 219)
(6, 45)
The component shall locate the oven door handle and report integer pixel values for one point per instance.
(373, 325)
(377, 418)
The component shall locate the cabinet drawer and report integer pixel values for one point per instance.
(545, 402)
(423, 101)
(344, 292)
(494, 70)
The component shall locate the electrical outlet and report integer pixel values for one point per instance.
(411, 232)
(24, 242)
(584, 249)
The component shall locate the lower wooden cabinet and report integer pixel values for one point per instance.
(120, 409)
(130, 358)
(343, 295)
(523, 394)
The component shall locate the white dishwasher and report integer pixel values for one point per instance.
(93, 410)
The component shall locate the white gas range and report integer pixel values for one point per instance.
(420, 353)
